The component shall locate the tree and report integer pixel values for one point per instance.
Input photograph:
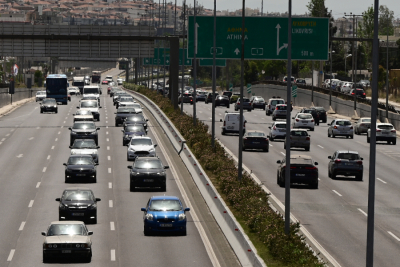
(386, 17)
(366, 30)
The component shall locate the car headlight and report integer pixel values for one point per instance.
(62, 206)
(92, 207)
(73, 153)
(149, 217)
(93, 132)
(72, 132)
(152, 150)
(182, 217)
(144, 124)
(131, 149)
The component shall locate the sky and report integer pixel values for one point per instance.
(338, 7)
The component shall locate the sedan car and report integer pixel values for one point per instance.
(122, 113)
(136, 119)
(40, 95)
(346, 87)
(186, 98)
(201, 96)
(277, 130)
(279, 112)
(105, 82)
(299, 138)
(73, 90)
(222, 100)
(114, 89)
(85, 147)
(83, 130)
(148, 172)
(91, 105)
(209, 97)
(358, 92)
(246, 104)
(164, 214)
(257, 102)
(48, 105)
(80, 167)
(340, 127)
(255, 140)
(78, 203)
(303, 120)
(384, 132)
(347, 163)
(362, 125)
(125, 101)
(303, 170)
(67, 239)
(132, 130)
(141, 146)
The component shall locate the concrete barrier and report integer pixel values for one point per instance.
(20, 94)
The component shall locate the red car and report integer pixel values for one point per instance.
(104, 82)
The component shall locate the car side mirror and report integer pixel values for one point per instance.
(362, 158)
(292, 117)
(90, 232)
(100, 107)
(115, 112)
(65, 164)
(70, 146)
(96, 164)
(129, 167)
(315, 163)
(98, 199)
(122, 130)
(43, 233)
(143, 209)
(166, 167)
(77, 107)
(269, 127)
(70, 128)
(155, 145)
(329, 157)
(220, 120)
(147, 120)
(278, 161)
(97, 129)
(58, 199)
(186, 209)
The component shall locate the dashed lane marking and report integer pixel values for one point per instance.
(395, 237)
(37, 185)
(363, 212)
(56, 139)
(52, 147)
(110, 185)
(44, 169)
(337, 193)
(31, 203)
(108, 157)
(108, 148)
(321, 146)
(21, 227)
(379, 179)
(48, 157)
(11, 255)
(110, 203)
(109, 170)
(112, 226)
(113, 255)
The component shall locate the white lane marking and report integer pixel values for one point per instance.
(64, 122)
(106, 117)
(48, 157)
(37, 185)
(319, 179)
(20, 155)
(395, 237)
(59, 132)
(3, 139)
(62, 126)
(56, 139)
(109, 170)
(1, 143)
(108, 157)
(113, 255)
(321, 146)
(21, 227)
(270, 145)
(108, 148)
(52, 147)
(379, 179)
(283, 153)
(106, 132)
(110, 185)
(337, 193)
(7, 134)
(110, 203)
(112, 226)
(263, 118)
(200, 111)
(210, 118)
(106, 121)
(66, 117)
(30, 203)
(12, 130)
(44, 169)
(38, 127)
(108, 140)
(220, 114)
(11, 255)
(363, 212)
(106, 127)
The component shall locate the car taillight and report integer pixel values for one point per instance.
(352, 93)
(363, 93)
(245, 138)
(378, 130)
(224, 123)
(266, 139)
(312, 120)
(310, 168)
(359, 162)
(337, 161)
(292, 167)
(307, 138)
(297, 120)
(362, 125)
(393, 131)
(244, 124)
(274, 128)
(276, 108)
(351, 127)
(335, 127)
(269, 106)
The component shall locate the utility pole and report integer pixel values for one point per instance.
(262, 7)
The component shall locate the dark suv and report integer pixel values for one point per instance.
(84, 130)
(80, 167)
(209, 97)
(148, 172)
(246, 104)
(322, 114)
(347, 163)
(358, 92)
(122, 113)
(303, 170)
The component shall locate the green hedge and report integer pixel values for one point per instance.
(246, 199)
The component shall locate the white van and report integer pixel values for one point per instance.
(91, 90)
(232, 122)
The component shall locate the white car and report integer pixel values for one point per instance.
(277, 130)
(124, 101)
(92, 106)
(232, 123)
(138, 108)
(40, 95)
(346, 87)
(119, 81)
(85, 147)
(384, 132)
(340, 127)
(73, 90)
(271, 105)
(140, 146)
(303, 120)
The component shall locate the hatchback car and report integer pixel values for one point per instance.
(384, 132)
(246, 104)
(255, 140)
(80, 167)
(340, 127)
(358, 92)
(135, 119)
(67, 239)
(299, 138)
(85, 147)
(201, 96)
(304, 121)
(48, 105)
(303, 170)
(83, 130)
(257, 102)
(277, 130)
(186, 98)
(209, 97)
(346, 87)
(40, 95)
(122, 113)
(132, 130)
(279, 112)
(222, 100)
(73, 90)
(362, 125)
(140, 146)
(78, 203)
(347, 163)
(91, 105)
(148, 172)
(164, 214)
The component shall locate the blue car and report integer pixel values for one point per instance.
(132, 130)
(164, 214)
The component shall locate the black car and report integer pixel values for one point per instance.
(122, 113)
(257, 102)
(303, 170)
(201, 96)
(148, 172)
(209, 97)
(136, 119)
(246, 104)
(132, 130)
(114, 90)
(322, 114)
(80, 167)
(187, 98)
(84, 130)
(347, 163)
(255, 140)
(222, 100)
(78, 204)
(48, 105)
(358, 92)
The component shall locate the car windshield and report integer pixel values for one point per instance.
(126, 99)
(80, 161)
(274, 102)
(305, 116)
(246, 100)
(385, 127)
(134, 128)
(126, 110)
(73, 195)
(148, 164)
(307, 111)
(259, 99)
(135, 118)
(66, 229)
(89, 98)
(84, 126)
(299, 133)
(281, 107)
(91, 91)
(83, 112)
(256, 134)
(89, 104)
(365, 120)
(49, 102)
(280, 125)
(40, 93)
(320, 109)
(165, 205)
(141, 142)
(349, 156)
(343, 123)
(78, 143)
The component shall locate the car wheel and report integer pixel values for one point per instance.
(228, 106)
(333, 136)
(146, 232)
(359, 177)
(351, 136)
(163, 188)
(41, 111)
(284, 146)
(263, 107)
(333, 176)
(314, 185)
(249, 110)
(329, 173)
(271, 138)
(132, 187)
(95, 220)
(282, 183)
(56, 110)
(223, 132)
(394, 142)
(356, 131)
(273, 118)
(266, 149)
(312, 129)
(45, 258)
(307, 148)
(236, 109)
(368, 139)
(329, 135)
(184, 233)
(243, 148)
(95, 179)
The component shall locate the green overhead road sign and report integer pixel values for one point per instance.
(160, 52)
(265, 38)
(231, 87)
(209, 62)
(249, 88)
(294, 91)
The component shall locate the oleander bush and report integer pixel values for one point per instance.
(245, 198)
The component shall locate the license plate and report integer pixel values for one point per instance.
(81, 174)
(300, 174)
(165, 224)
(148, 180)
(385, 132)
(282, 130)
(230, 127)
(65, 251)
(348, 164)
(78, 214)
(304, 121)
(256, 142)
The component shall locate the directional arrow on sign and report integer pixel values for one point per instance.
(167, 61)
(278, 49)
(237, 51)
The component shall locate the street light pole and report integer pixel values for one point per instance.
(387, 74)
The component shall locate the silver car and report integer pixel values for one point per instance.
(340, 127)
(279, 112)
(384, 132)
(303, 120)
(362, 125)
(277, 130)
(299, 138)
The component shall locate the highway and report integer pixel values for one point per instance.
(335, 214)
(34, 146)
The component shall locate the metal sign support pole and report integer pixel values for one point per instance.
(241, 121)
(183, 53)
(195, 70)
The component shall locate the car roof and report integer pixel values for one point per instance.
(83, 140)
(84, 122)
(342, 120)
(148, 158)
(298, 129)
(254, 131)
(77, 188)
(67, 222)
(141, 137)
(280, 122)
(384, 123)
(281, 104)
(347, 151)
(300, 157)
(164, 197)
(81, 156)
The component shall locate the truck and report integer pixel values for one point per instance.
(56, 87)
(96, 75)
(79, 81)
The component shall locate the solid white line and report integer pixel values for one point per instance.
(37, 185)
(379, 179)
(110, 185)
(52, 147)
(363, 212)
(44, 169)
(48, 157)
(30, 203)
(108, 157)
(108, 140)
(56, 139)
(113, 255)
(109, 170)
(321, 146)
(11, 255)
(110, 203)
(108, 148)
(112, 226)
(395, 237)
(21, 227)
(1, 143)
(337, 193)
(283, 153)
